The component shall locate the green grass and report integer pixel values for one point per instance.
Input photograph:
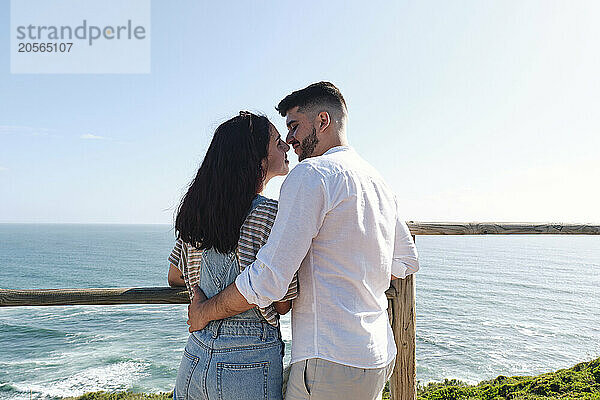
(581, 382)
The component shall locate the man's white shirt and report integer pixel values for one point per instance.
(339, 226)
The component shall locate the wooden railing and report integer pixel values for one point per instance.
(401, 294)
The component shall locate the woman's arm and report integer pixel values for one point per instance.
(282, 307)
(175, 277)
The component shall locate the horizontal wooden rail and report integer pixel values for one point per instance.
(102, 296)
(500, 228)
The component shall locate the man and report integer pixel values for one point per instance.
(338, 225)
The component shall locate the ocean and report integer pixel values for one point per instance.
(486, 306)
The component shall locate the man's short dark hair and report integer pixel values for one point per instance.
(312, 98)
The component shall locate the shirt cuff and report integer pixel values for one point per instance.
(244, 285)
(401, 268)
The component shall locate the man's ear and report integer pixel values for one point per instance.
(323, 121)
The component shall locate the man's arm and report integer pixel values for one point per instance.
(303, 204)
(227, 303)
(405, 260)
(302, 207)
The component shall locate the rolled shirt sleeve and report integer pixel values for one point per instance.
(302, 207)
(405, 260)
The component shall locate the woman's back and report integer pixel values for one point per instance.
(238, 358)
(213, 271)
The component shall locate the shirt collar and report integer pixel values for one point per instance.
(337, 148)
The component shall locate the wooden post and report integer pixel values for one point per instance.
(401, 302)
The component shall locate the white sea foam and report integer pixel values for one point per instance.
(120, 376)
(32, 361)
(85, 337)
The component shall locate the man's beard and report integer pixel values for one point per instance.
(308, 144)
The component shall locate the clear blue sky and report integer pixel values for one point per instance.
(471, 110)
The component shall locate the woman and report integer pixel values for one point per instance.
(222, 222)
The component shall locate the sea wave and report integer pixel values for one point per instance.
(118, 376)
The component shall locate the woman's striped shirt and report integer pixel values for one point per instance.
(253, 235)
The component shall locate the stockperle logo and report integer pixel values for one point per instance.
(80, 36)
(85, 31)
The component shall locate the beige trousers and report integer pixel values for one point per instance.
(318, 379)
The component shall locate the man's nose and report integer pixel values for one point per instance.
(290, 138)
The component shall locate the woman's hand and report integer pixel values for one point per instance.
(282, 307)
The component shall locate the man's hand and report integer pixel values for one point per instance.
(226, 303)
(195, 311)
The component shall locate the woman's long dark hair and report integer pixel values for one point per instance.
(215, 206)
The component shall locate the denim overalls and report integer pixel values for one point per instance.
(237, 358)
